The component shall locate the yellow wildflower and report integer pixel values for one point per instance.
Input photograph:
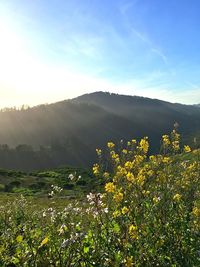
(166, 160)
(116, 213)
(187, 149)
(96, 169)
(146, 192)
(191, 167)
(118, 197)
(133, 231)
(98, 151)
(124, 151)
(138, 159)
(166, 141)
(130, 177)
(44, 241)
(133, 141)
(140, 179)
(121, 171)
(144, 145)
(110, 187)
(129, 261)
(156, 200)
(152, 158)
(175, 135)
(177, 197)
(114, 156)
(196, 212)
(175, 145)
(125, 210)
(128, 165)
(110, 145)
(106, 175)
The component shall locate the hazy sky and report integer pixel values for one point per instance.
(52, 50)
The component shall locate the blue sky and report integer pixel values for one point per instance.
(52, 50)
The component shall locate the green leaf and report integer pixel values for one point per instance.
(116, 228)
(86, 249)
(19, 238)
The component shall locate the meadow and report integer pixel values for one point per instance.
(141, 210)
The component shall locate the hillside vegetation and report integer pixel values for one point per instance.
(147, 215)
(75, 182)
(67, 132)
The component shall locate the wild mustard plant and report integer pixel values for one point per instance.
(147, 215)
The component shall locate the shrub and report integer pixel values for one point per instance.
(2, 187)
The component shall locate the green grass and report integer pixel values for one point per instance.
(38, 183)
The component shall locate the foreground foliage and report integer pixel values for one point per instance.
(148, 215)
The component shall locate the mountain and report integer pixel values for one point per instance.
(68, 132)
(146, 114)
(197, 105)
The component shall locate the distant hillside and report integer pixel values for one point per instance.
(39, 182)
(68, 132)
(197, 105)
(150, 117)
(140, 109)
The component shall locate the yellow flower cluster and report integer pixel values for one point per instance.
(110, 187)
(125, 210)
(128, 165)
(130, 177)
(125, 151)
(140, 179)
(144, 145)
(138, 159)
(166, 160)
(177, 197)
(133, 232)
(116, 213)
(129, 262)
(99, 152)
(187, 149)
(96, 169)
(114, 156)
(110, 145)
(175, 141)
(166, 141)
(196, 212)
(175, 145)
(118, 197)
(156, 200)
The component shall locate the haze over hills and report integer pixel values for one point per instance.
(68, 132)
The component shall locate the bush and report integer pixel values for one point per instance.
(2, 187)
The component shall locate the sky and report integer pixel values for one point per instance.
(51, 50)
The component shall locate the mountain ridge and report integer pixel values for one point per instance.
(69, 131)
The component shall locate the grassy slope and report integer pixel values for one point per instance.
(39, 183)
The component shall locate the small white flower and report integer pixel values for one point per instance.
(65, 243)
(50, 209)
(106, 210)
(71, 176)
